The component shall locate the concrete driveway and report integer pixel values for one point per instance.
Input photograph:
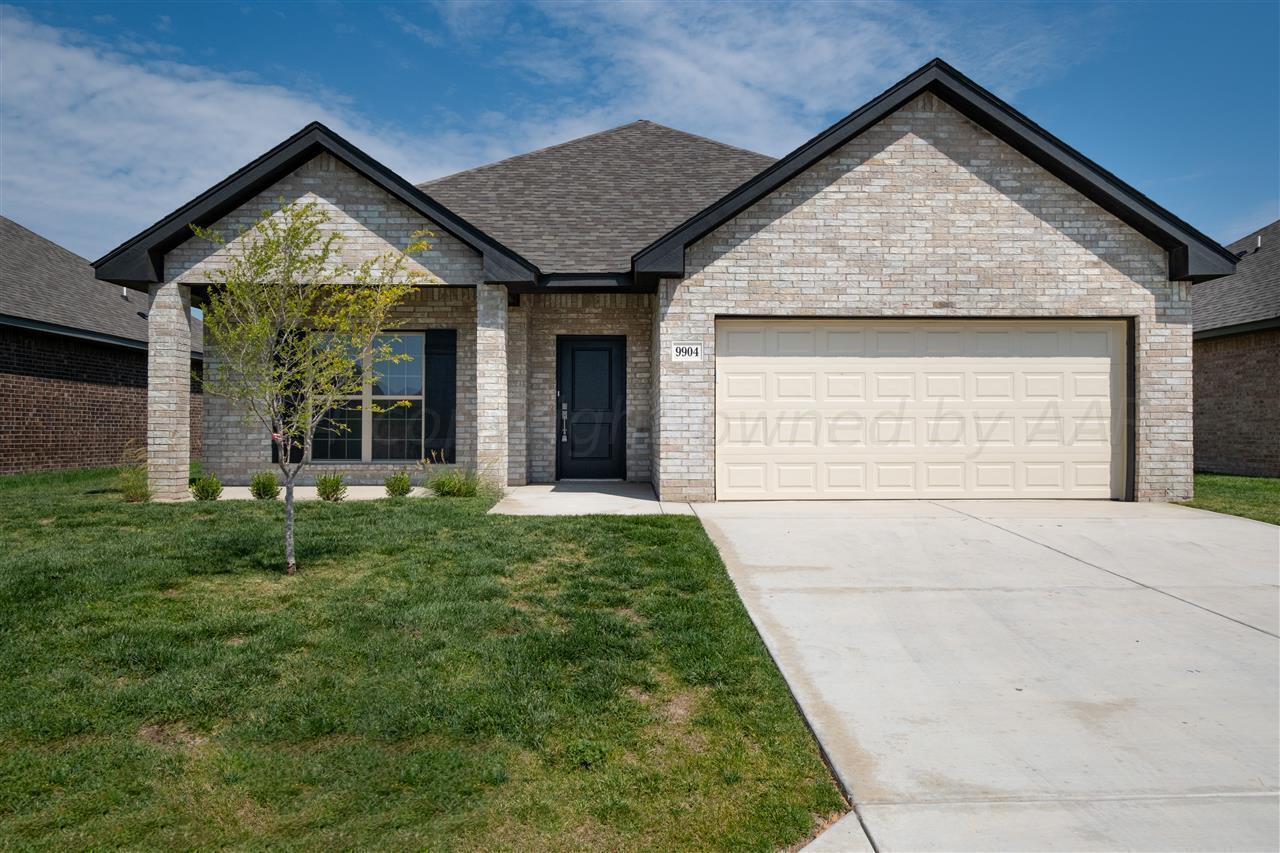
(1026, 675)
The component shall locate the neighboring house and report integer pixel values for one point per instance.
(73, 360)
(1237, 362)
(932, 298)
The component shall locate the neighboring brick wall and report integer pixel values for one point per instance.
(71, 403)
(552, 314)
(1237, 379)
(925, 214)
(235, 448)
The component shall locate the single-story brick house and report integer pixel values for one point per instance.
(73, 360)
(1237, 362)
(934, 297)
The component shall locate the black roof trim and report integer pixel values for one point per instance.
(1237, 329)
(1192, 255)
(567, 282)
(140, 261)
(82, 334)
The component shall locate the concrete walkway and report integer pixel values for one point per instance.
(587, 498)
(1026, 675)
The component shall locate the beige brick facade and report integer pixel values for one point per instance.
(925, 215)
(491, 383)
(169, 391)
(236, 448)
(553, 314)
(372, 223)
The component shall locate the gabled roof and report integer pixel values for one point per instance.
(1192, 255)
(51, 289)
(1250, 298)
(588, 205)
(140, 261)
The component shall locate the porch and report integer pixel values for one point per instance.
(485, 398)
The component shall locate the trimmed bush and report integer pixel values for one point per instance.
(458, 483)
(264, 486)
(330, 487)
(398, 484)
(207, 488)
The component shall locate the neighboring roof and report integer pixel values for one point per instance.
(140, 260)
(1248, 298)
(46, 287)
(1192, 255)
(588, 205)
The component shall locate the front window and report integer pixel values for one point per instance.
(399, 391)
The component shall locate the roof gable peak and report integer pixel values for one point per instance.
(139, 262)
(1192, 255)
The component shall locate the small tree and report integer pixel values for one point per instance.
(294, 327)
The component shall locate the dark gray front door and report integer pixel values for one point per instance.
(591, 407)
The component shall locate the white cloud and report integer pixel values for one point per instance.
(98, 139)
(769, 76)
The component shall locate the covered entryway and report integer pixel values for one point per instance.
(814, 409)
(591, 406)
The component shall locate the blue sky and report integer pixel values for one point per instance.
(113, 114)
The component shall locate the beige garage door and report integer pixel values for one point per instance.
(919, 409)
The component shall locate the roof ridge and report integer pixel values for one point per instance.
(728, 145)
(546, 148)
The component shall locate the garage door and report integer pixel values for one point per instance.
(919, 409)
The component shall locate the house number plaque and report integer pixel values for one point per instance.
(686, 352)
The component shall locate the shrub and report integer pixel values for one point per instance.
(264, 486)
(458, 483)
(330, 487)
(207, 488)
(398, 484)
(132, 479)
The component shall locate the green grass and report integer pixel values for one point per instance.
(1251, 497)
(435, 678)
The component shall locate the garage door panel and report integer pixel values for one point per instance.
(877, 408)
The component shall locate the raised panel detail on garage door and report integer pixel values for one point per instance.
(919, 409)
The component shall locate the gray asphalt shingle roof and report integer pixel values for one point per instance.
(1252, 294)
(42, 281)
(588, 205)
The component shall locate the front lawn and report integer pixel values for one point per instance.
(1251, 497)
(435, 678)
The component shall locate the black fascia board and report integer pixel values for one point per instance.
(1192, 255)
(139, 261)
(82, 334)
(1237, 329)
(593, 282)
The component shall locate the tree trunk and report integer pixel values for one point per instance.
(290, 562)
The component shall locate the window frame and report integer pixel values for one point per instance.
(367, 398)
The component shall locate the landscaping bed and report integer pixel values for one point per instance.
(434, 678)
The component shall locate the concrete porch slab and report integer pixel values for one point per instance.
(586, 498)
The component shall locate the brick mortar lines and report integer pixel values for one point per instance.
(928, 215)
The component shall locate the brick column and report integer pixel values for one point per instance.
(518, 393)
(491, 382)
(169, 391)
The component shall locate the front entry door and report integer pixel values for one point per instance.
(591, 407)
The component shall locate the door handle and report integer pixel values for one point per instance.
(564, 421)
